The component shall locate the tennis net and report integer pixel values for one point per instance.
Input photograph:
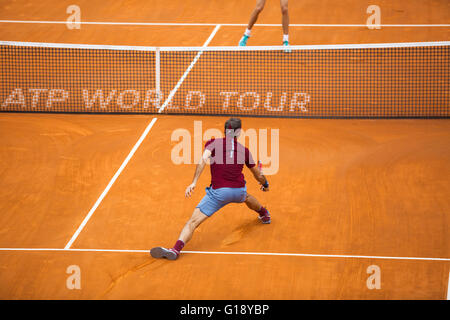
(406, 80)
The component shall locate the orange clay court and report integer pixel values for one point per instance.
(98, 191)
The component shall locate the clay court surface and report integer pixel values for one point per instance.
(349, 194)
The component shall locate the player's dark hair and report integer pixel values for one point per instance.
(232, 125)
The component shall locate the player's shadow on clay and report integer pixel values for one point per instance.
(241, 231)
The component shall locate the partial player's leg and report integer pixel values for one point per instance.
(253, 17)
(196, 219)
(186, 234)
(254, 204)
(206, 208)
(285, 21)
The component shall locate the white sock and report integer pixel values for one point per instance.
(285, 37)
(247, 32)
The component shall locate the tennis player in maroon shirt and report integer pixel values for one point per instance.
(227, 158)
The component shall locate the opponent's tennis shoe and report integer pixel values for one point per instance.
(160, 252)
(265, 217)
(243, 41)
(286, 45)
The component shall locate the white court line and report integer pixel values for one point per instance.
(223, 24)
(114, 178)
(235, 253)
(175, 89)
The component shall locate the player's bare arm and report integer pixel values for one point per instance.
(198, 171)
(260, 178)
